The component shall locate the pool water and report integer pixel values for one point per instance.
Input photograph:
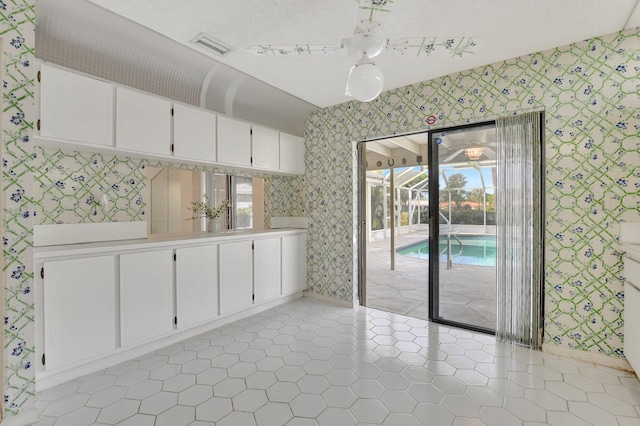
(476, 250)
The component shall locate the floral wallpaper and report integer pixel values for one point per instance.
(589, 91)
(68, 187)
(17, 25)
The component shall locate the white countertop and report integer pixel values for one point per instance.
(163, 241)
(631, 250)
(630, 239)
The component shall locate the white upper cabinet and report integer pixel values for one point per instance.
(75, 108)
(265, 147)
(143, 122)
(234, 142)
(89, 114)
(194, 133)
(291, 153)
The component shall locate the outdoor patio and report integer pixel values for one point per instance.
(467, 292)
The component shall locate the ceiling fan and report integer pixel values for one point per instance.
(365, 80)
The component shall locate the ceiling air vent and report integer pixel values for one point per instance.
(211, 44)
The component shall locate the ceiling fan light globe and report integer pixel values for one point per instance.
(365, 82)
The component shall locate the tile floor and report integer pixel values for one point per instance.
(309, 363)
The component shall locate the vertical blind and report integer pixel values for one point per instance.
(519, 219)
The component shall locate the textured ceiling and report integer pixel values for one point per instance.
(501, 29)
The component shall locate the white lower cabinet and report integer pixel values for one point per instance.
(146, 296)
(294, 263)
(93, 309)
(267, 269)
(79, 298)
(236, 276)
(631, 273)
(196, 285)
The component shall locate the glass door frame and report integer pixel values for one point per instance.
(362, 223)
(433, 163)
(434, 222)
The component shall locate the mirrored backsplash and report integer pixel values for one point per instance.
(70, 188)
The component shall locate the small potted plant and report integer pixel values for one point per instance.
(202, 209)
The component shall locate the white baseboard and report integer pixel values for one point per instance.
(328, 299)
(47, 379)
(23, 419)
(599, 359)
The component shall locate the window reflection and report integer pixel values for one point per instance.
(171, 191)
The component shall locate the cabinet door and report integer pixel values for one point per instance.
(265, 148)
(75, 108)
(143, 122)
(236, 276)
(234, 142)
(632, 325)
(146, 296)
(79, 309)
(266, 269)
(294, 264)
(291, 153)
(194, 133)
(196, 285)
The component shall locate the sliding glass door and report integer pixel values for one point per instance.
(462, 226)
(428, 225)
(451, 222)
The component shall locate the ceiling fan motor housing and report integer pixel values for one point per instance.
(364, 44)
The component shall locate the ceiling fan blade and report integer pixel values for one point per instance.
(368, 9)
(292, 49)
(424, 46)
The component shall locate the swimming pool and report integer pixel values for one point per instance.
(476, 250)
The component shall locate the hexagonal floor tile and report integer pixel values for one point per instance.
(178, 415)
(336, 416)
(273, 414)
(398, 401)
(229, 387)
(119, 411)
(237, 418)
(290, 373)
(307, 405)
(261, 380)
(339, 396)
(195, 395)
(249, 400)
(157, 403)
(369, 411)
(367, 388)
(214, 409)
(313, 384)
(282, 392)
